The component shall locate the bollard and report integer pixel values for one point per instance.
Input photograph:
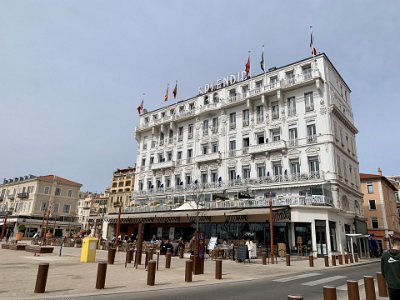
(295, 297)
(326, 259)
(168, 260)
(382, 286)
(216, 253)
(351, 259)
(146, 260)
(356, 257)
(151, 254)
(41, 278)
(181, 252)
(158, 259)
(352, 290)
(346, 259)
(101, 275)
(329, 293)
(129, 255)
(340, 259)
(218, 269)
(111, 255)
(369, 288)
(188, 271)
(151, 272)
(311, 260)
(288, 260)
(192, 260)
(334, 260)
(169, 250)
(264, 257)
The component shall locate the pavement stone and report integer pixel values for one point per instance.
(69, 277)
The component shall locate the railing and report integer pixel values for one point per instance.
(309, 108)
(246, 122)
(285, 200)
(214, 129)
(311, 139)
(163, 165)
(245, 150)
(232, 125)
(208, 157)
(260, 119)
(267, 147)
(293, 142)
(291, 111)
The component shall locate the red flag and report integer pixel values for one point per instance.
(175, 92)
(247, 67)
(140, 108)
(166, 94)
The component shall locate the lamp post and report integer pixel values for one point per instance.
(3, 230)
(119, 205)
(271, 229)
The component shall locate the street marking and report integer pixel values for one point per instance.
(323, 280)
(301, 276)
(344, 286)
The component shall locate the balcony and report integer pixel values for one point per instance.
(208, 157)
(246, 122)
(234, 99)
(23, 195)
(163, 165)
(272, 146)
(185, 115)
(311, 139)
(214, 129)
(293, 142)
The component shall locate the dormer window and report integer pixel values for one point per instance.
(216, 98)
(206, 101)
(191, 106)
(146, 120)
(181, 108)
(163, 114)
(155, 117)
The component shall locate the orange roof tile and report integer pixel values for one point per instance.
(60, 179)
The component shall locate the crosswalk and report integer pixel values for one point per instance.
(304, 279)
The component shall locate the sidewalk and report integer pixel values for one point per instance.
(68, 276)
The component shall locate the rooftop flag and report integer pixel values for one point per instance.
(140, 107)
(313, 50)
(175, 91)
(166, 94)
(247, 66)
(262, 62)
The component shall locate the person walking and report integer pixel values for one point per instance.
(390, 267)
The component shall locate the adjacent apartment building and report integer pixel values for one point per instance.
(286, 136)
(31, 200)
(380, 208)
(121, 189)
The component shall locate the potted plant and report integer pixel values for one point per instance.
(21, 230)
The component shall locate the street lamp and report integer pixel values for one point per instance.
(119, 205)
(271, 229)
(8, 212)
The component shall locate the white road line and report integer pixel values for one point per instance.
(286, 279)
(344, 286)
(323, 280)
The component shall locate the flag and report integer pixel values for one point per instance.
(313, 50)
(262, 63)
(247, 67)
(140, 108)
(166, 94)
(175, 91)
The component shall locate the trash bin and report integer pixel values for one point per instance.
(89, 246)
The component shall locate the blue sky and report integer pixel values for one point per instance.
(73, 72)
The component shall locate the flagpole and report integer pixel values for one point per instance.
(250, 63)
(265, 71)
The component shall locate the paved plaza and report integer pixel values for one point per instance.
(68, 276)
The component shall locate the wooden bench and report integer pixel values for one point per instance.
(39, 249)
(18, 247)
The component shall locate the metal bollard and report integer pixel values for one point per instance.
(382, 285)
(356, 257)
(295, 297)
(346, 259)
(101, 275)
(311, 260)
(334, 260)
(41, 278)
(326, 259)
(168, 260)
(192, 260)
(111, 255)
(352, 290)
(146, 260)
(129, 255)
(188, 271)
(369, 288)
(288, 260)
(181, 252)
(340, 259)
(151, 272)
(329, 293)
(158, 259)
(218, 269)
(351, 259)
(264, 257)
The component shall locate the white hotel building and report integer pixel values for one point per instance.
(288, 134)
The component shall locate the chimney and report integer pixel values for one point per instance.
(379, 172)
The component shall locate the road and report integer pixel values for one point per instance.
(308, 284)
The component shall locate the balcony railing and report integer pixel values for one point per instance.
(293, 142)
(311, 139)
(260, 119)
(208, 157)
(276, 145)
(163, 165)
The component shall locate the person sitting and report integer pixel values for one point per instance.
(168, 245)
(163, 250)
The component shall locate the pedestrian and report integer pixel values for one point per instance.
(390, 267)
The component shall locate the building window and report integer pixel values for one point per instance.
(294, 166)
(261, 171)
(206, 101)
(204, 148)
(246, 172)
(214, 147)
(273, 81)
(313, 164)
(214, 176)
(56, 207)
(43, 206)
(189, 155)
(246, 119)
(309, 101)
(70, 193)
(232, 174)
(370, 188)
(58, 191)
(277, 168)
(205, 127)
(245, 145)
(374, 222)
(291, 103)
(151, 160)
(191, 106)
(214, 125)
(216, 97)
(204, 178)
(311, 133)
(275, 110)
(179, 155)
(292, 136)
(260, 114)
(307, 72)
(180, 134)
(276, 135)
(143, 162)
(66, 208)
(190, 131)
(188, 179)
(290, 77)
(372, 205)
(232, 120)
(140, 183)
(46, 190)
(167, 182)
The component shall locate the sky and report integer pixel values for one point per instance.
(72, 73)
